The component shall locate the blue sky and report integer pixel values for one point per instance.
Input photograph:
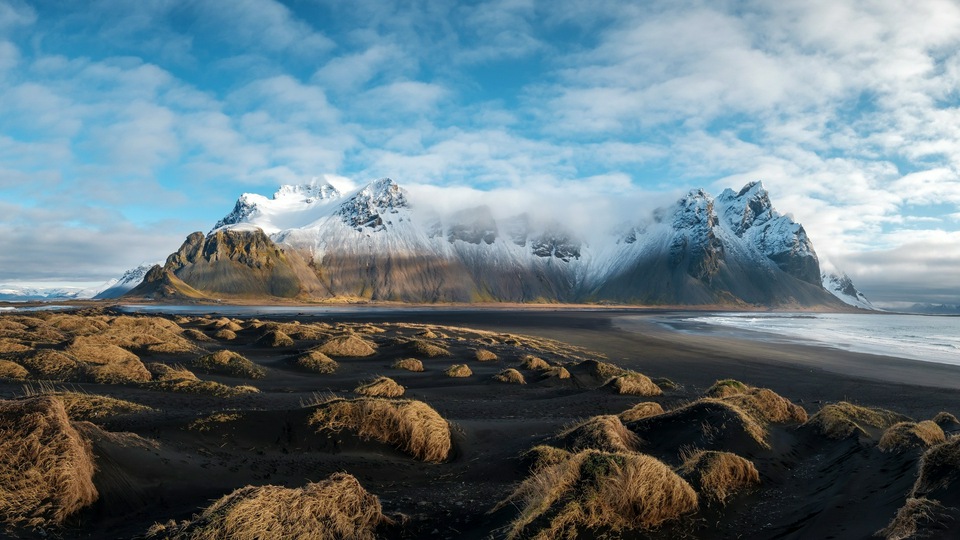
(127, 125)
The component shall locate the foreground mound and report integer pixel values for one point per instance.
(709, 424)
(412, 426)
(332, 509)
(906, 435)
(46, 467)
(381, 387)
(843, 419)
(594, 490)
(719, 475)
(605, 433)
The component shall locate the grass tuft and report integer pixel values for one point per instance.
(46, 467)
(843, 419)
(333, 509)
(593, 490)
(904, 436)
(635, 384)
(412, 426)
(380, 387)
(409, 364)
(510, 375)
(458, 371)
(719, 475)
(640, 411)
(348, 346)
(230, 363)
(605, 433)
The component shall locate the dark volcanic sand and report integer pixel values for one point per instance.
(811, 488)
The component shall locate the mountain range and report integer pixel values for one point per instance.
(313, 242)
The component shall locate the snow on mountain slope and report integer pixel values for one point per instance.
(17, 293)
(375, 242)
(117, 287)
(841, 286)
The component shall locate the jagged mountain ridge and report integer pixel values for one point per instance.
(841, 286)
(373, 243)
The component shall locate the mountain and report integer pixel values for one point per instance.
(315, 242)
(115, 288)
(16, 293)
(841, 286)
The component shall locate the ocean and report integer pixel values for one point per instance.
(929, 338)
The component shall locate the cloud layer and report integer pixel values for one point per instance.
(130, 124)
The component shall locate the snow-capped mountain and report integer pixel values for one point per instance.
(117, 287)
(315, 241)
(841, 286)
(16, 293)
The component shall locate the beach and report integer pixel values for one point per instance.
(810, 486)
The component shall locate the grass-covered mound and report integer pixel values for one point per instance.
(81, 406)
(337, 508)
(708, 424)
(534, 363)
(349, 346)
(314, 361)
(230, 363)
(46, 467)
(422, 347)
(411, 426)
(105, 363)
(605, 433)
(380, 387)
(719, 475)
(843, 419)
(275, 339)
(644, 409)
(511, 376)
(458, 371)
(409, 364)
(592, 491)
(635, 384)
(180, 379)
(904, 436)
(12, 370)
(483, 355)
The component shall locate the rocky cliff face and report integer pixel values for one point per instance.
(313, 241)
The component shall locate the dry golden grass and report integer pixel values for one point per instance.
(180, 379)
(718, 475)
(81, 406)
(939, 468)
(635, 384)
(427, 334)
(458, 371)
(315, 361)
(640, 411)
(483, 355)
(225, 335)
(196, 335)
(51, 364)
(533, 363)
(368, 329)
(380, 387)
(914, 516)
(337, 508)
(77, 325)
(208, 422)
(737, 418)
(906, 435)
(224, 323)
(348, 346)
(841, 420)
(510, 375)
(154, 334)
(945, 419)
(559, 372)
(424, 348)
(8, 345)
(726, 387)
(597, 490)
(412, 426)
(604, 432)
(409, 364)
(275, 339)
(12, 370)
(543, 455)
(46, 467)
(767, 406)
(103, 362)
(230, 363)
(125, 439)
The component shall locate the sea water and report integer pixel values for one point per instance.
(930, 338)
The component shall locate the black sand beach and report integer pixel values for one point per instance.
(811, 487)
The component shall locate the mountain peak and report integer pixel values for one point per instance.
(371, 205)
(317, 187)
